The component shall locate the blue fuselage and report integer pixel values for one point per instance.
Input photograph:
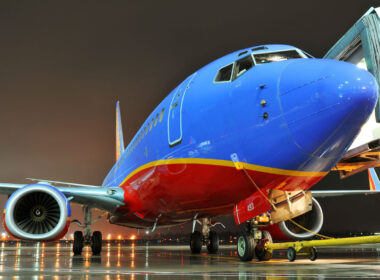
(296, 114)
(287, 117)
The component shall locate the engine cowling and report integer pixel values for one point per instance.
(312, 220)
(37, 212)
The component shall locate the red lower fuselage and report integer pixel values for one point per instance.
(176, 190)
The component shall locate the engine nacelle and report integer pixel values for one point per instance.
(37, 212)
(312, 220)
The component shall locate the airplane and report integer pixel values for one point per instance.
(248, 134)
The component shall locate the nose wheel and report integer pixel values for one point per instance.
(246, 247)
(261, 253)
(251, 243)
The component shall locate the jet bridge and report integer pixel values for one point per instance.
(361, 46)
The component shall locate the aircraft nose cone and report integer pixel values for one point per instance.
(325, 103)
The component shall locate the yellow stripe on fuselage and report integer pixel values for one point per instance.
(227, 163)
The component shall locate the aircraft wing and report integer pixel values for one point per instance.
(374, 188)
(6, 188)
(98, 197)
(333, 193)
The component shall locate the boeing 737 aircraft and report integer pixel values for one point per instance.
(248, 134)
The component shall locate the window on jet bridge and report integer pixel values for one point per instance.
(276, 56)
(224, 74)
(242, 66)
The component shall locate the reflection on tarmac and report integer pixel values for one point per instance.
(56, 261)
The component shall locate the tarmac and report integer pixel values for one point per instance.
(56, 261)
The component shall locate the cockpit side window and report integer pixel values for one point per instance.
(242, 66)
(262, 58)
(224, 74)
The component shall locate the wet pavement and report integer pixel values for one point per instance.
(43, 261)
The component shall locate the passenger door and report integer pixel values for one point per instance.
(175, 112)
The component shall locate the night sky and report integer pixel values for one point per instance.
(63, 65)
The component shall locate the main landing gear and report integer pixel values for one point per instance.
(88, 238)
(251, 244)
(206, 237)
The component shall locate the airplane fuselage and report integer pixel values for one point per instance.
(289, 121)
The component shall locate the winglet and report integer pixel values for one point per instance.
(374, 183)
(119, 133)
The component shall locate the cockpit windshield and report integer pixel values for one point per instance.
(242, 66)
(276, 56)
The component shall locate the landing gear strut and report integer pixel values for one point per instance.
(206, 237)
(251, 243)
(88, 238)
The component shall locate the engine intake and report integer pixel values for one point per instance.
(37, 212)
(312, 220)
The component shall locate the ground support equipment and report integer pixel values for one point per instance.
(297, 248)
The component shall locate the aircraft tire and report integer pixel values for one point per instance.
(213, 245)
(246, 246)
(196, 242)
(291, 254)
(313, 254)
(78, 243)
(96, 242)
(260, 252)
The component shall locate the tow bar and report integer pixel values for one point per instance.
(297, 248)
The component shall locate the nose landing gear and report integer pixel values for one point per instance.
(251, 244)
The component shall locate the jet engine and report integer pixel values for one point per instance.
(37, 212)
(312, 220)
